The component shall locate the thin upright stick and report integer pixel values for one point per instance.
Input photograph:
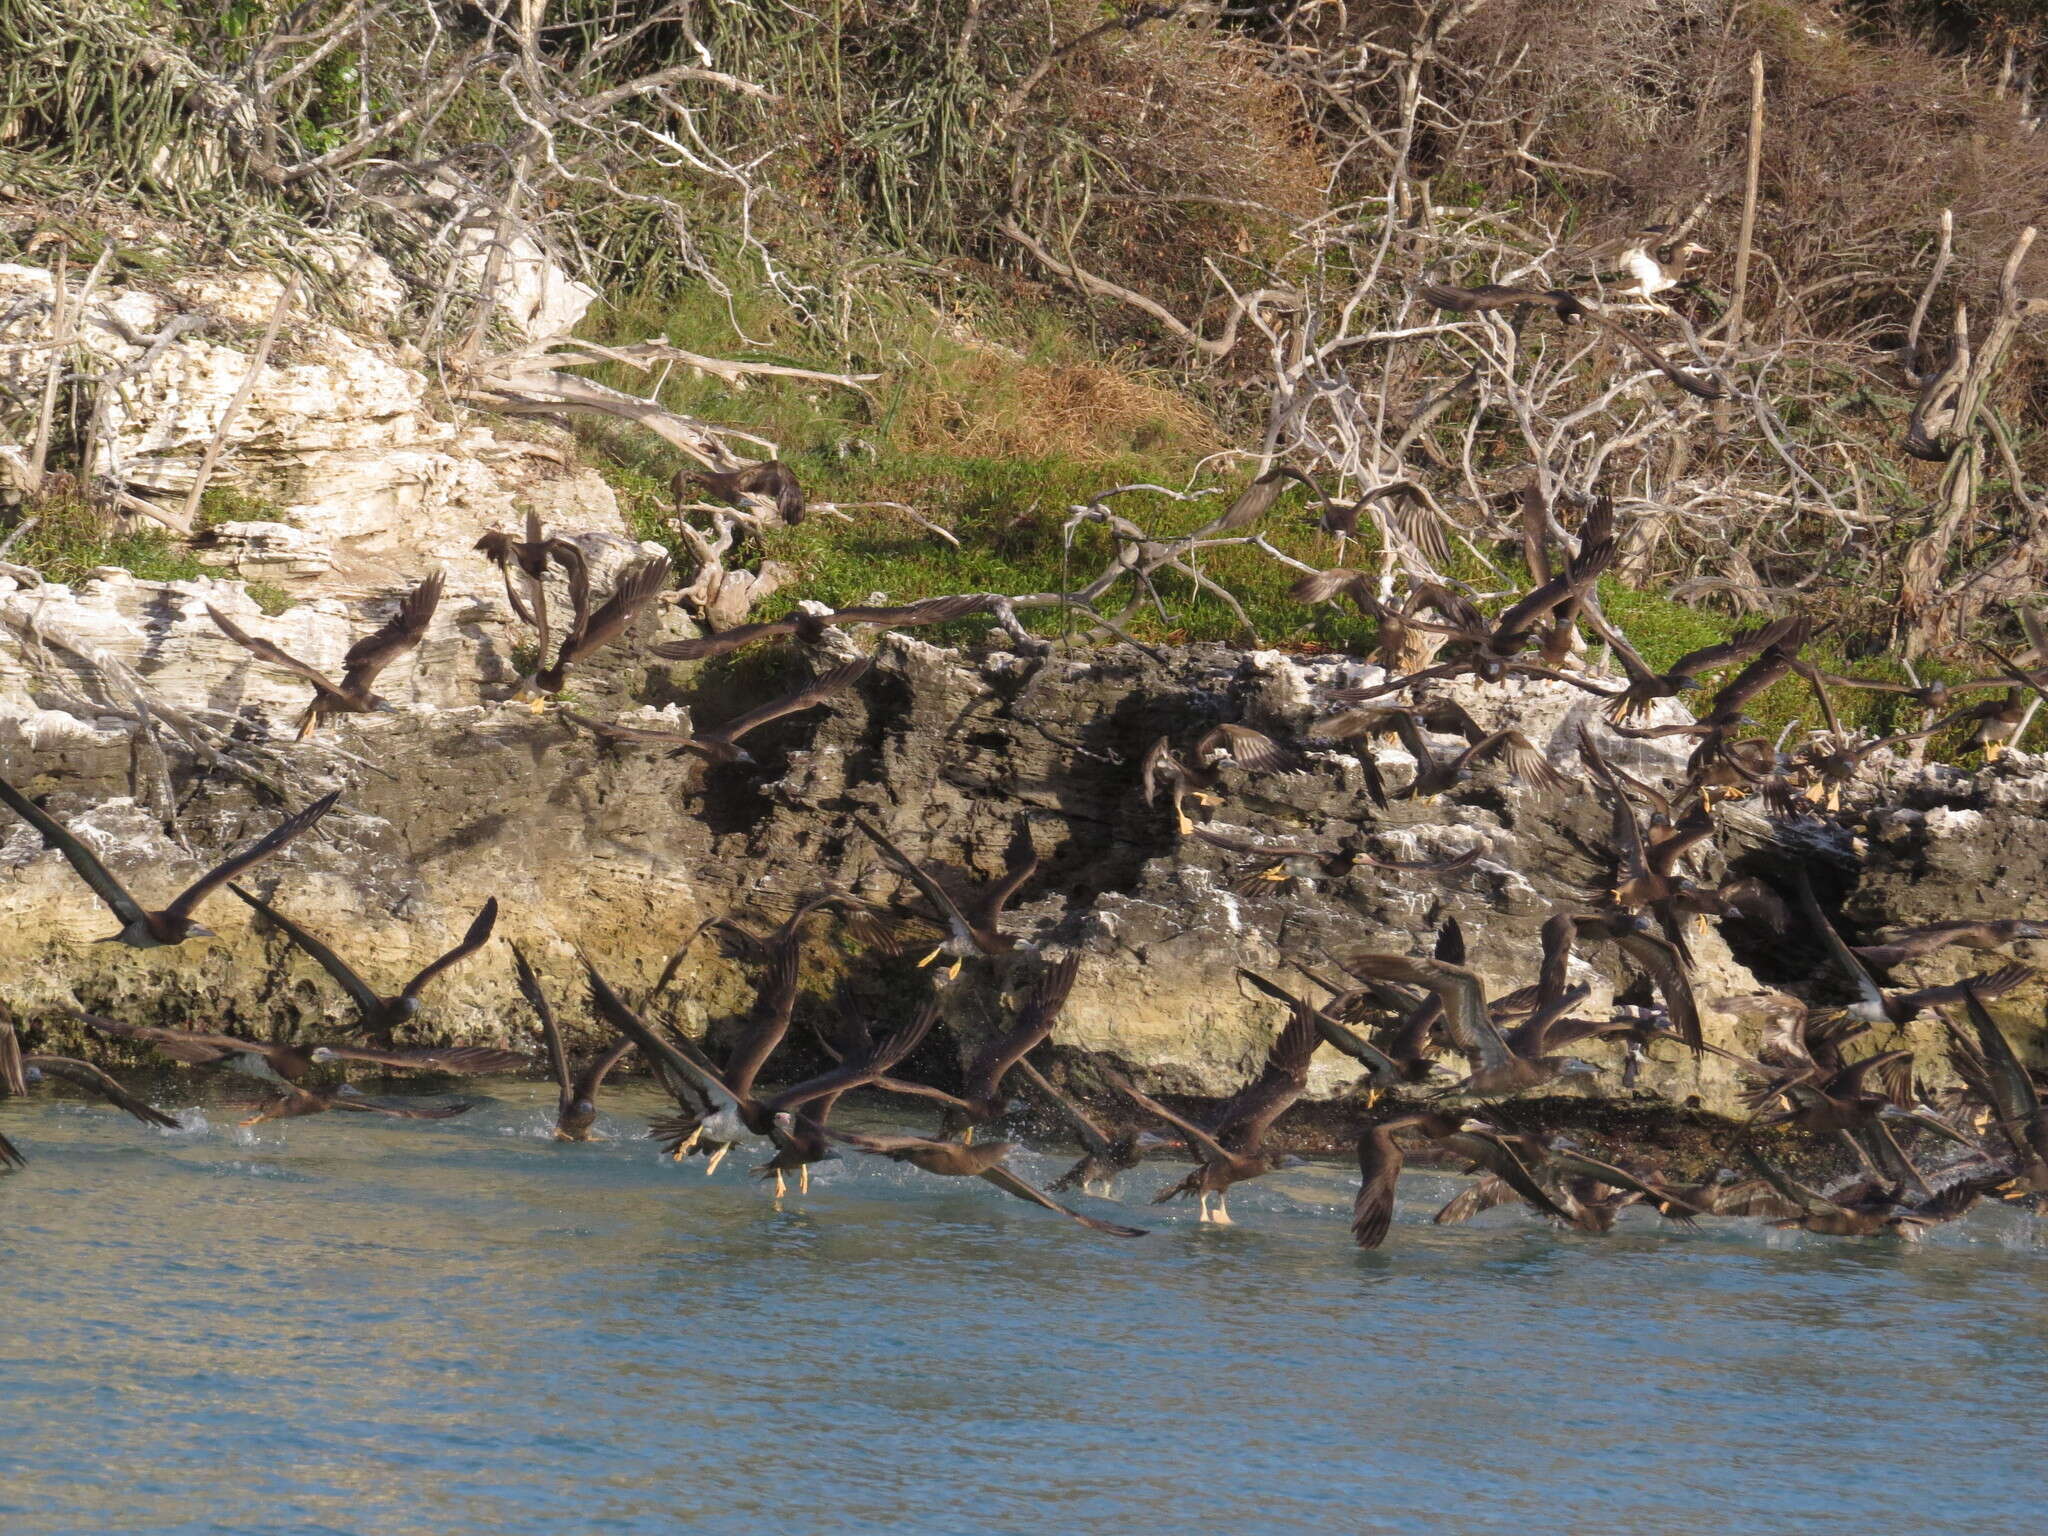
(241, 398)
(39, 450)
(1743, 241)
(1747, 237)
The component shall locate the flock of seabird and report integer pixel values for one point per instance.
(1423, 1027)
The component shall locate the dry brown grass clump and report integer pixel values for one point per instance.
(992, 406)
(1168, 145)
(1868, 137)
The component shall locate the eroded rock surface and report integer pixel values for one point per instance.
(627, 850)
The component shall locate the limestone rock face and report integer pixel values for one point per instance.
(627, 850)
(373, 482)
(164, 745)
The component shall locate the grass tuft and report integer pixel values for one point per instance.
(71, 539)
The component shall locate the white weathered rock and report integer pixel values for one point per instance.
(534, 293)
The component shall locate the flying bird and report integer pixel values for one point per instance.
(1873, 1004)
(365, 661)
(1989, 1067)
(1197, 775)
(1650, 275)
(983, 1098)
(1380, 1160)
(973, 924)
(1909, 944)
(1436, 775)
(141, 928)
(380, 1016)
(722, 744)
(1232, 1149)
(575, 1092)
(727, 1118)
(296, 1102)
(811, 628)
(1280, 860)
(529, 557)
(772, 480)
(284, 1064)
(1646, 685)
(18, 1070)
(1509, 1063)
(952, 1159)
(638, 584)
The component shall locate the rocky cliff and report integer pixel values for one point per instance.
(163, 744)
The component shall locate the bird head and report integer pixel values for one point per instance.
(1694, 248)
(322, 1055)
(31, 1075)
(1573, 1066)
(1685, 684)
(405, 1007)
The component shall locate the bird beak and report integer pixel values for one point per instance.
(200, 931)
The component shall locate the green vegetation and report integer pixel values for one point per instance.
(272, 599)
(70, 540)
(227, 504)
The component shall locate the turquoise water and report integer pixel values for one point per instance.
(354, 1325)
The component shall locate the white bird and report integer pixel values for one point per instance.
(1650, 276)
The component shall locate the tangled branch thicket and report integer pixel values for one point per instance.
(1250, 193)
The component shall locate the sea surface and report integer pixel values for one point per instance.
(354, 1325)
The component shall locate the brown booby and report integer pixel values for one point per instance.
(140, 927)
(365, 660)
(811, 628)
(575, 1092)
(973, 923)
(588, 632)
(380, 1015)
(956, 1160)
(721, 745)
